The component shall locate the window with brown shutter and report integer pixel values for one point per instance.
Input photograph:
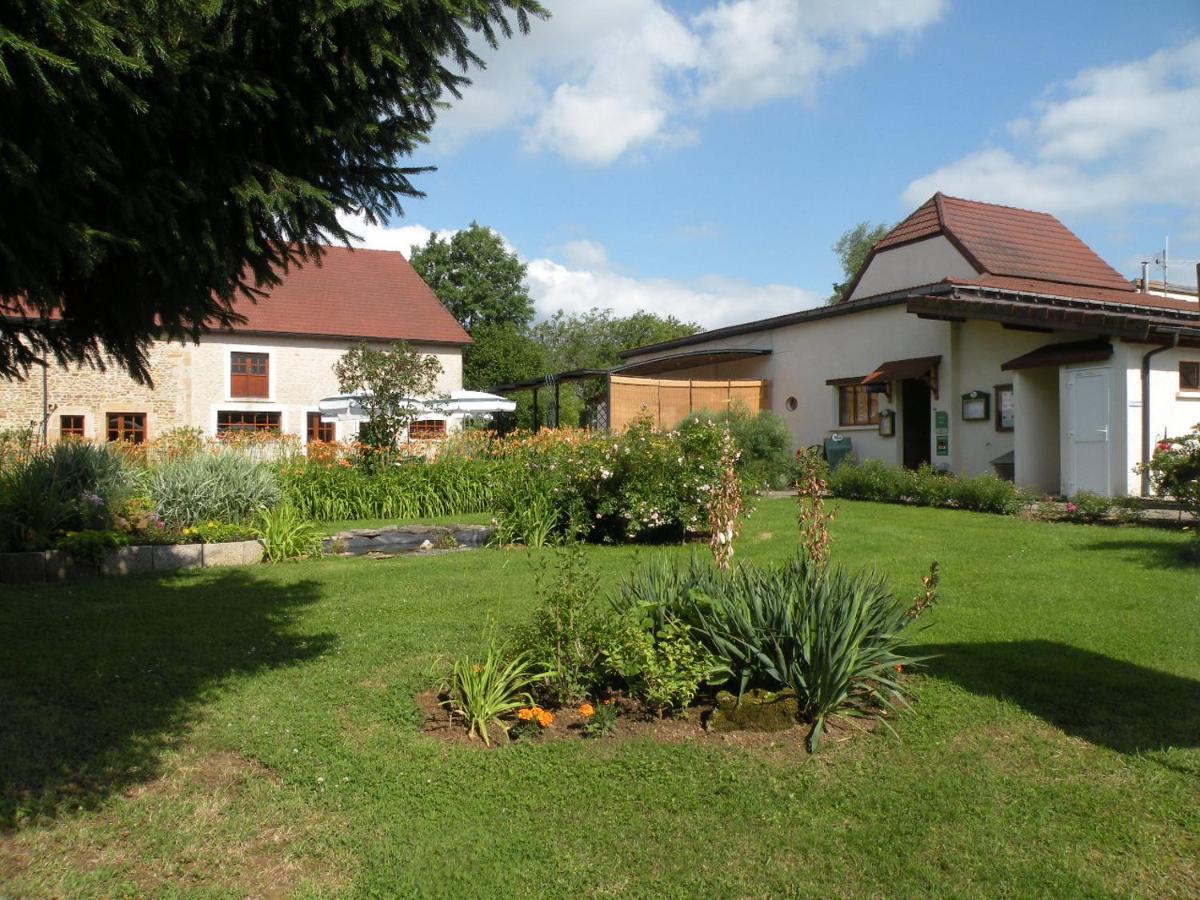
(249, 375)
(240, 420)
(123, 426)
(321, 431)
(1189, 376)
(857, 406)
(70, 427)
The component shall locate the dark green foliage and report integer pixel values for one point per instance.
(834, 638)
(764, 441)
(501, 354)
(925, 486)
(594, 340)
(563, 636)
(197, 150)
(479, 280)
(69, 487)
(90, 545)
(410, 490)
(852, 249)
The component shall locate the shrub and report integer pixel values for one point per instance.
(225, 486)
(1174, 470)
(286, 534)
(641, 484)
(925, 486)
(763, 439)
(664, 669)
(563, 635)
(485, 691)
(71, 486)
(91, 545)
(1088, 507)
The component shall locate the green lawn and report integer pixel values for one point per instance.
(253, 731)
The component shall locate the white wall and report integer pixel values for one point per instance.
(1036, 438)
(910, 265)
(979, 349)
(301, 374)
(1172, 412)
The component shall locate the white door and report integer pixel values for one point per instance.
(1087, 434)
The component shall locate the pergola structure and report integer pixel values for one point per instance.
(662, 365)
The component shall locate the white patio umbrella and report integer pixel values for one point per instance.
(348, 407)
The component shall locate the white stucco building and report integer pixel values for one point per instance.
(268, 373)
(976, 337)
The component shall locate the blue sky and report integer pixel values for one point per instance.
(700, 158)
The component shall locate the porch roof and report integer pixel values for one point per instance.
(901, 369)
(1060, 354)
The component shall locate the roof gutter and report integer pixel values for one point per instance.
(1146, 442)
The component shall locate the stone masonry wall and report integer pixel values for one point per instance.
(93, 394)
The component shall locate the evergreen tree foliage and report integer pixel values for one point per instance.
(160, 159)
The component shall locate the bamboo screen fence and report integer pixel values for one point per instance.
(670, 401)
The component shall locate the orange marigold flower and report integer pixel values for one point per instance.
(899, 668)
(587, 710)
(525, 714)
(544, 719)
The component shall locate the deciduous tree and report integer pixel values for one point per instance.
(852, 249)
(388, 381)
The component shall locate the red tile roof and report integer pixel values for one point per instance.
(1002, 240)
(372, 294)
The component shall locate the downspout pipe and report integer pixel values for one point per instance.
(1146, 441)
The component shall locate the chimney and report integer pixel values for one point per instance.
(1146, 276)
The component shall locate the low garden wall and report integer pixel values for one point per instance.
(57, 565)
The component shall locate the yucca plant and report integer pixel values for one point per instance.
(834, 637)
(483, 692)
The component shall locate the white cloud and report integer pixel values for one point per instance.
(711, 301)
(586, 279)
(759, 50)
(386, 237)
(1115, 138)
(606, 78)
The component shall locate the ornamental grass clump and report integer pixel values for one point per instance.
(482, 693)
(226, 486)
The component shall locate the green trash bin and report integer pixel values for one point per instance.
(837, 449)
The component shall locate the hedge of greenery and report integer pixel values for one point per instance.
(874, 480)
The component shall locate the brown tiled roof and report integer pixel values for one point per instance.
(1003, 240)
(373, 294)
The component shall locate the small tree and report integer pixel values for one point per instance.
(388, 381)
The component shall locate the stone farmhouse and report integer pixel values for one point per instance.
(266, 374)
(976, 338)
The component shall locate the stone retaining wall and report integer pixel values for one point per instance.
(55, 565)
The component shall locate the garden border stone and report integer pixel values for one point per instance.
(56, 565)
